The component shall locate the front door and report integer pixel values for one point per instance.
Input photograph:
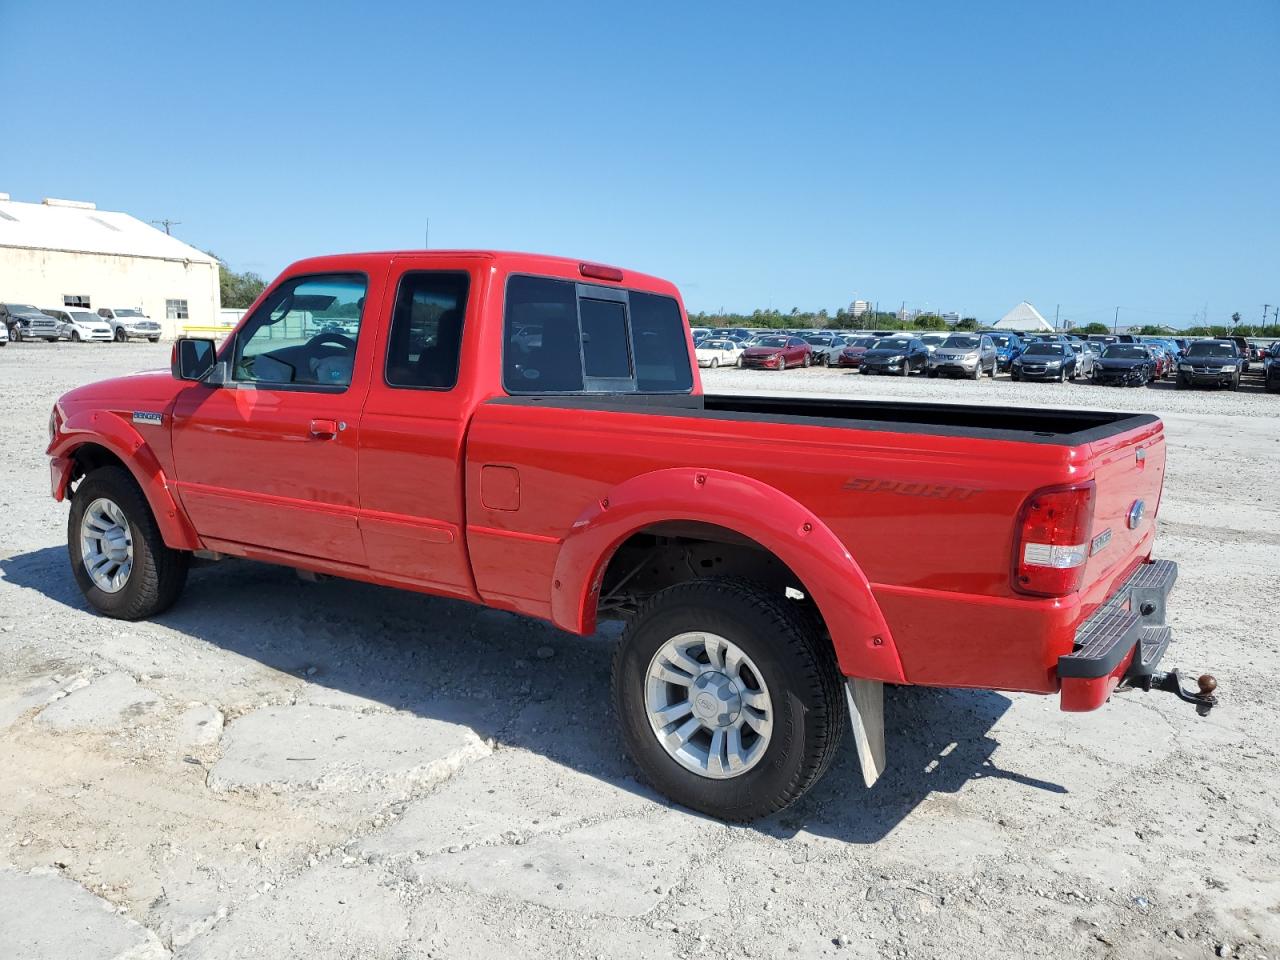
(268, 459)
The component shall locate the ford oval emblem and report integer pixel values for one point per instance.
(1136, 513)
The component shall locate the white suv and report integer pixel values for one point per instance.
(126, 322)
(80, 325)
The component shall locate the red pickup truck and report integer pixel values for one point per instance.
(530, 433)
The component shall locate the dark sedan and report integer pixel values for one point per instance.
(1126, 365)
(1211, 363)
(896, 355)
(777, 353)
(1044, 360)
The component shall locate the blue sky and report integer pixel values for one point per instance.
(959, 156)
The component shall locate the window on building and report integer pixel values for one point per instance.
(426, 330)
(175, 309)
(75, 301)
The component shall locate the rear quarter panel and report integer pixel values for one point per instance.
(928, 518)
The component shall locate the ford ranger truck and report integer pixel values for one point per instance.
(530, 433)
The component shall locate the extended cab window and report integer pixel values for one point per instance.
(566, 337)
(426, 330)
(304, 334)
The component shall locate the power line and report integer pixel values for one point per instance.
(167, 224)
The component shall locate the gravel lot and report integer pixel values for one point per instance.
(277, 768)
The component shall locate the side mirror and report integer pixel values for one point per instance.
(192, 358)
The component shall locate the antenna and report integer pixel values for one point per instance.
(167, 224)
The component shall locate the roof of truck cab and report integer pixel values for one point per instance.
(514, 261)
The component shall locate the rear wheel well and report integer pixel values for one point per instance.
(664, 554)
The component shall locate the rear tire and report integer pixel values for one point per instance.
(714, 363)
(153, 339)
(796, 669)
(121, 336)
(158, 573)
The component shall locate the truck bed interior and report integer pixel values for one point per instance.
(1027, 424)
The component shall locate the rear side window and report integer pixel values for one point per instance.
(426, 330)
(566, 337)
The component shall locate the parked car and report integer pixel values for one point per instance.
(126, 322)
(1045, 360)
(1086, 358)
(1009, 347)
(699, 334)
(1211, 363)
(932, 341)
(778, 352)
(25, 322)
(80, 325)
(4, 335)
(560, 482)
(898, 355)
(1126, 365)
(719, 353)
(1271, 374)
(851, 355)
(826, 348)
(1243, 351)
(964, 354)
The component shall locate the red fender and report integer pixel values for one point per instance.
(863, 644)
(111, 431)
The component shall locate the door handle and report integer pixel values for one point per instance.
(324, 429)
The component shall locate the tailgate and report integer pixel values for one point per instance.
(1129, 476)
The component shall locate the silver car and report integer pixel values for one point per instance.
(1086, 358)
(964, 354)
(826, 348)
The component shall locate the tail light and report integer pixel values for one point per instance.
(1054, 528)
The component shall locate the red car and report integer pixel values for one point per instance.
(851, 355)
(778, 352)
(530, 433)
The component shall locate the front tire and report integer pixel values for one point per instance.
(118, 558)
(714, 363)
(75, 336)
(121, 336)
(717, 655)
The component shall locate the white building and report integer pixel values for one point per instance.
(65, 253)
(1023, 318)
(860, 308)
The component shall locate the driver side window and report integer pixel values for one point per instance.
(304, 334)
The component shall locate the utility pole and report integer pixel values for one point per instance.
(1056, 308)
(1115, 327)
(426, 236)
(1264, 313)
(167, 224)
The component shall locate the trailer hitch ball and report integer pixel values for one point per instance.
(1205, 699)
(1208, 683)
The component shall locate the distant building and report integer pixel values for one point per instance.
(951, 317)
(860, 308)
(1024, 317)
(63, 253)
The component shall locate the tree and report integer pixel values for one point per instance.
(1235, 319)
(1095, 327)
(239, 290)
(931, 321)
(968, 323)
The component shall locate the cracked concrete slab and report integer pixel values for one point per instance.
(200, 725)
(616, 868)
(329, 913)
(45, 916)
(512, 792)
(320, 748)
(103, 705)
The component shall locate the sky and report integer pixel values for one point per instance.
(956, 156)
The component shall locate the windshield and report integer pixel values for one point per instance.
(773, 342)
(933, 339)
(716, 345)
(24, 310)
(895, 343)
(865, 342)
(129, 312)
(1124, 352)
(1044, 350)
(84, 316)
(818, 341)
(1000, 339)
(1206, 349)
(961, 343)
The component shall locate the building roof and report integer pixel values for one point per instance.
(82, 228)
(1023, 317)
